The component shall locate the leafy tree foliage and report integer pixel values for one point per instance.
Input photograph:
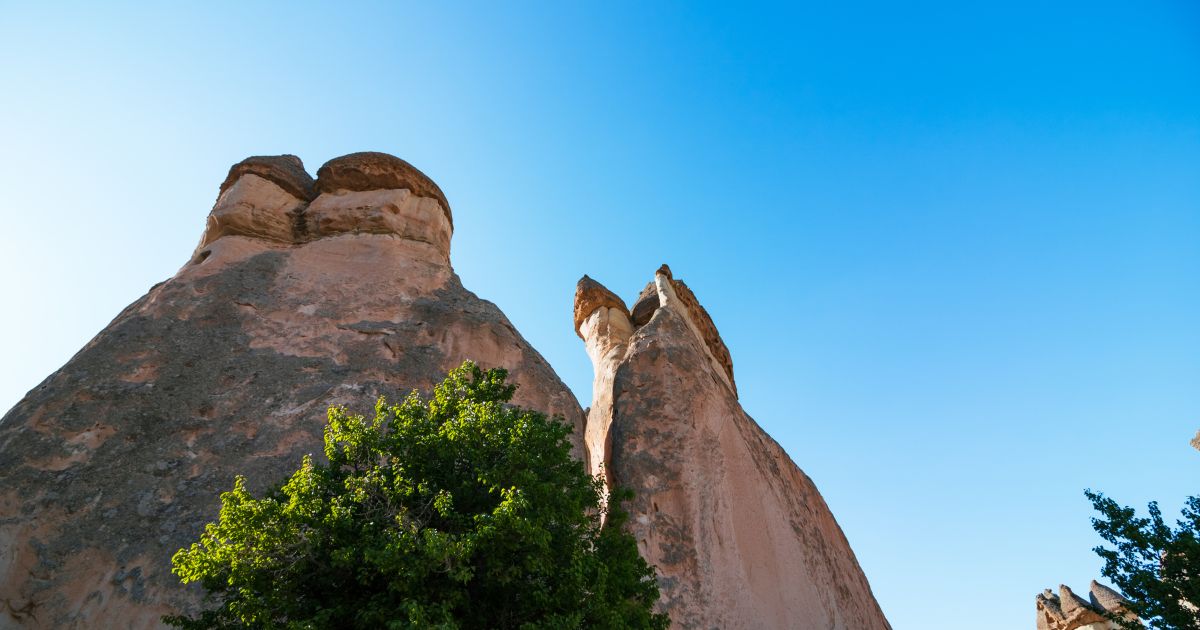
(1155, 566)
(456, 512)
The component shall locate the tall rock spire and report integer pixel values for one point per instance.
(300, 295)
(741, 538)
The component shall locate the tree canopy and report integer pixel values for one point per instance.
(1156, 566)
(459, 511)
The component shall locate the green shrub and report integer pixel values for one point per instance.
(456, 512)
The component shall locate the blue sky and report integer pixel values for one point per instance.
(954, 250)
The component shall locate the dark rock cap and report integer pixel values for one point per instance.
(591, 295)
(285, 171)
(372, 170)
(645, 306)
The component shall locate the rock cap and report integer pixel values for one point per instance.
(285, 171)
(372, 170)
(591, 295)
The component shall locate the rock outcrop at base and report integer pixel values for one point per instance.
(301, 295)
(1068, 611)
(740, 536)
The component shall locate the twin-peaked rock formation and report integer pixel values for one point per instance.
(303, 294)
(740, 536)
(1068, 611)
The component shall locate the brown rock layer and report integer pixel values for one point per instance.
(117, 459)
(285, 171)
(371, 170)
(741, 538)
(591, 295)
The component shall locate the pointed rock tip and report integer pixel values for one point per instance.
(699, 316)
(373, 170)
(591, 295)
(1071, 601)
(1106, 598)
(285, 171)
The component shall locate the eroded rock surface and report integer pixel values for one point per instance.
(740, 536)
(293, 302)
(371, 170)
(1068, 611)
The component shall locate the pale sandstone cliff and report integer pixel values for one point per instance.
(301, 294)
(740, 536)
(1068, 611)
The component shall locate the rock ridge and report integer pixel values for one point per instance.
(1068, 611)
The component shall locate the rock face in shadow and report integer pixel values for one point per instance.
(1068, 611)
(740, 536)
(293, 301)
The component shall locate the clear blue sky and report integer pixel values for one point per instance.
(955, 252)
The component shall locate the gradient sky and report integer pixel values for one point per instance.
(955, 252)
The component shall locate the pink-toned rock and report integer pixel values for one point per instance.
(257, 207)
(117, 459)
(741, 538)
(397, 212)
(285, 171)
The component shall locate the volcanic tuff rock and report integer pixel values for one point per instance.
(1068, 611)
(740, 536)
(304, 294)
(301, 295)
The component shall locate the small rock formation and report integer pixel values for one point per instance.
(300, 295)
(1068, 611)
(740, 536)
(1196, 441)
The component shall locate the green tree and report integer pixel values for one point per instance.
(457, 512)
(1155, 566)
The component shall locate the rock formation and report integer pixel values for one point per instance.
(304, 294)
(740, 536)
(1068, 611)
(1196, 441)
(301, 294)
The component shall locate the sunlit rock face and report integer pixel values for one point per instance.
(1068, 611)
(740, 536)
(301, 295)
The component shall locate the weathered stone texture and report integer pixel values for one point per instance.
(117, 459)
(371, 170)
(285, 171)
(740, 536)
(1068, 611)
